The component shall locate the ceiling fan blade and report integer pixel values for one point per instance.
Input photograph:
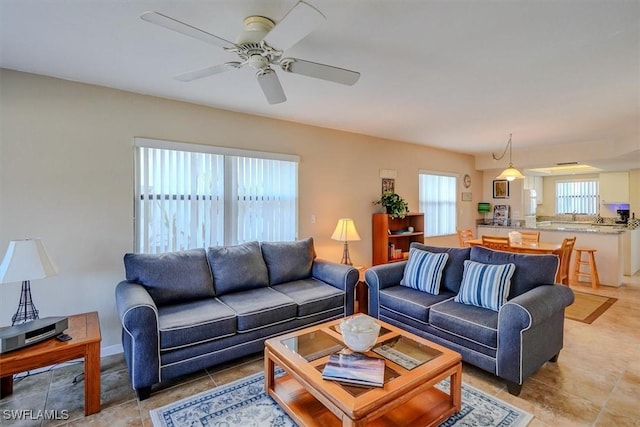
(320, 71)
(301, 20)
(208, 71)
(186, 29)
(271, 87)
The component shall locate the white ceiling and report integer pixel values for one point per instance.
(459, 75)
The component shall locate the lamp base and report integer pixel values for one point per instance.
(346, 259)
(26, 310)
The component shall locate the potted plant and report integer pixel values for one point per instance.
(395, 205)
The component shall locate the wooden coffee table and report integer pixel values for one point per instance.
(408, 397)
(85, 343)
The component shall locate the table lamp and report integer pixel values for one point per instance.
(484, 208)
(345, 232)
(24, 261)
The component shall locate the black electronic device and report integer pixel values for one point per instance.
(19, 336)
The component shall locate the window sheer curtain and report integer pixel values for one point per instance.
(191, 196)
(577, 196)
(437, 201)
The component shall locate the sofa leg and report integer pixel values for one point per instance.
(514, 388)
(143, 393)
(554, 359)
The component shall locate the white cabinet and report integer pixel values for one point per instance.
(534, 183)
(614, 187)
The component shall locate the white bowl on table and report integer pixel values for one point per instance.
(360, 332)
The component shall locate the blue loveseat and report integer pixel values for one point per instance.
(185, 311)
(512, 340)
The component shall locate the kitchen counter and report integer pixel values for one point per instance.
(574, 227)
(617, 248)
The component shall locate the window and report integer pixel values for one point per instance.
(438, 203)
(577, 196)
(190, 196)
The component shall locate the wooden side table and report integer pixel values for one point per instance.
(362, 293)
(85, 343)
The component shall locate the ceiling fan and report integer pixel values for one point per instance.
(260, 46)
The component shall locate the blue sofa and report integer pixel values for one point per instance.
(512, 340)
(188, 310)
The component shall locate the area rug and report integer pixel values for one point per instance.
(245, 403)
(588, 307)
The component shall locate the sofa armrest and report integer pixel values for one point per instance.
(140, 337)
(531, 330)
(380, 277)
(535, 306)
(341, 276)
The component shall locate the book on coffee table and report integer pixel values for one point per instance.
(355, 368)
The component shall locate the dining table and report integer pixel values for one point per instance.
(526, 247)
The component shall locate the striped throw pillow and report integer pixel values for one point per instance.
(485, 285)
(424, 270)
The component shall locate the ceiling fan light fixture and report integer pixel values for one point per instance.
(510, 173)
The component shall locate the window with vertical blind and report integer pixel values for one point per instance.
(577, 196)
(190, 196)
(438, 203)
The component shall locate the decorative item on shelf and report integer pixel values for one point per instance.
(509, 173)
(484, 208)
(632, 222)
(345, 232)
(24, 261)
(599, 219)
(395, 205)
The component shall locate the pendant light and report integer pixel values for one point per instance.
(509, 173)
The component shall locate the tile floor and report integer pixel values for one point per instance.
(596, 381)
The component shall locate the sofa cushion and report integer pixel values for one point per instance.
(411, 302)
(452, 273)
(475, 324)
(531, 270)
(312, 296)
(288, 261)
(259, 308)
(485, 285)
(172, 277)
(237, 268)
(194, 322)
(423, 271)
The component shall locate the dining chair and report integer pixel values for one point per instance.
(566, 249)
(529, 236)
(464, 236)
(499, 243)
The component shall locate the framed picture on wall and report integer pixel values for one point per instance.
(500, 189)
(388, 185)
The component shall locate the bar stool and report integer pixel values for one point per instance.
(591, 272)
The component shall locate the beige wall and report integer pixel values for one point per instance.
(66, 175)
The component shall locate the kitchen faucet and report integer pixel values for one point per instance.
(573, 216)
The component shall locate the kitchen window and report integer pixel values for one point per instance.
(437, 201)
(196, 196)
(577, 196)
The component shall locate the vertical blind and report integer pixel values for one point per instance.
(180, 200)
(438, 203)
(189, 199)
(577, 196)
(264, 199)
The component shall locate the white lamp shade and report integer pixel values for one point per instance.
(510, 174)
(26, 260)
(345, 231)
